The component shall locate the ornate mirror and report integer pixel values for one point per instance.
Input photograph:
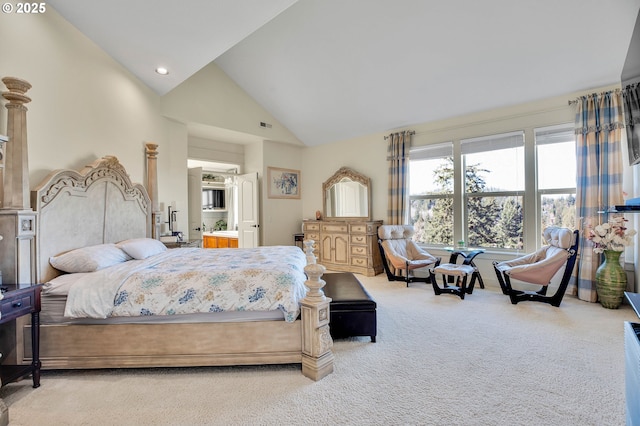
(347, 195)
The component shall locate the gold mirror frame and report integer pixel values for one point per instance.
(329, 187)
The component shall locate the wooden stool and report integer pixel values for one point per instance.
(458, 274)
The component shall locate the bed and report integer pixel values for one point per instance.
(100, 207)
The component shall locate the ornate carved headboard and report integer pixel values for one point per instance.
(97, 205)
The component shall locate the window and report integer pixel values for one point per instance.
(556, 172)
(494, 190)
(431, 194)
(502, 197)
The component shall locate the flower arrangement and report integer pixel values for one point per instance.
(611, 236)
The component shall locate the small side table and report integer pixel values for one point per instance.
(16, 303)
(298, 239)
(468, 254)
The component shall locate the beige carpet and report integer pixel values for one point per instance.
(438, 361)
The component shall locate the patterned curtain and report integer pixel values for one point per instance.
(631, 97)
(398, 157)
(598, 128)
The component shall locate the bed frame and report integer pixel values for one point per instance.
(100, 204)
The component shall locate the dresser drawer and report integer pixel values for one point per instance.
(359, 239)
(16, 306)
(310, 226)
(338, 227)
(359, 250)
(359, 228)
(360, 261)
(311, 236)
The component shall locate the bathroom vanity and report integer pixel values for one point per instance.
(220, 239)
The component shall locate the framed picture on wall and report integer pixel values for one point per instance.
(283, 183)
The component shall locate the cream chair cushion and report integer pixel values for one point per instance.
(400, 249)
(539, 267)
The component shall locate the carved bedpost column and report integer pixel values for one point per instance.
(152, 187)
(16, 177)
(317, 358)
(17, 219)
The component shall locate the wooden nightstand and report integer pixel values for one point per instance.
(18, 302)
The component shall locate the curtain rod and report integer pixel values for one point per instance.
(411, 132)
(623, 90)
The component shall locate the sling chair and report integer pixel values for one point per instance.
(540, 267)
(400, 252)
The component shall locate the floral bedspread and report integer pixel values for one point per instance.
(193, 280)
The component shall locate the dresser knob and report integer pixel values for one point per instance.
(17, 304)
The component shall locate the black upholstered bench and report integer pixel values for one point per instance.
(352, 309)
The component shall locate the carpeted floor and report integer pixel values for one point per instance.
(439, 360)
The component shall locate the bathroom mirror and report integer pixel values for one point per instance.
(347, 195)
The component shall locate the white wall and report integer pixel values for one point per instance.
(216, 151)
(281, 218)
(366, 155)
(172, 176)
(210, 97)
(84, 104)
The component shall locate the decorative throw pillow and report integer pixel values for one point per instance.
(141, 248)
(89, 259)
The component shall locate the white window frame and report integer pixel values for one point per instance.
(489, 143)
(545, 136)
(441, 150)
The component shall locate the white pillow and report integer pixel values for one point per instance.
(61, 284)
(89, 259)
(141, 248)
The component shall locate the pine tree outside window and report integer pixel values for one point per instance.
(494, 183)
(431, 181)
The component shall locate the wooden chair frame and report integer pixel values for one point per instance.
(408, 277)
(541, 295)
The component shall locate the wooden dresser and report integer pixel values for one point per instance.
(346, 245)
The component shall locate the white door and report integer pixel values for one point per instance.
(195, 203)
(248, 211)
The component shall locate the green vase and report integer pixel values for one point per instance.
(611, 280)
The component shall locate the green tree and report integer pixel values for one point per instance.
(483, 212)
(559, 211)
(509, 226)
(438, 227)
(433, 217)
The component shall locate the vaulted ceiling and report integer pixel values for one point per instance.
(331, 70)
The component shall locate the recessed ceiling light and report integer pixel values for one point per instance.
(162, 71)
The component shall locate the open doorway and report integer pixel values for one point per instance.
(222, 206)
